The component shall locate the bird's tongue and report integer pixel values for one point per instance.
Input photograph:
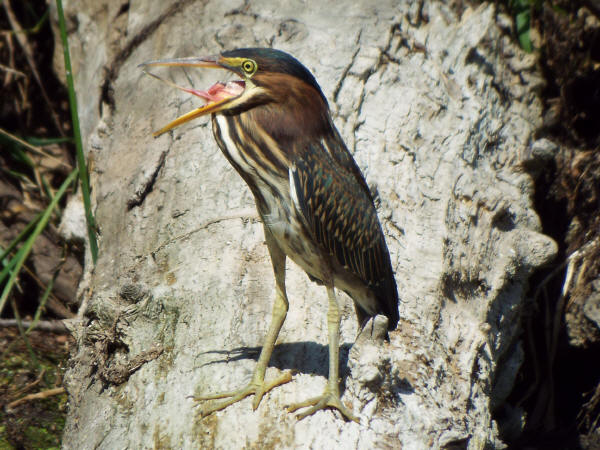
(215, 96)
(220, 91)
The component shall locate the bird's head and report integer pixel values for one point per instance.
(274, 80)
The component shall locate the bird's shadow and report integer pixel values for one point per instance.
(309, 358)
(305, 357)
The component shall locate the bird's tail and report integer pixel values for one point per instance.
(387, 298)
(386, 295)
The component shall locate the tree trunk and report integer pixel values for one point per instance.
(439, 109)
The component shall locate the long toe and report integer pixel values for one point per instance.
(263, 388)
(231, 398)
(327, 400)
(256, 388)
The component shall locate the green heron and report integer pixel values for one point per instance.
(274, 127)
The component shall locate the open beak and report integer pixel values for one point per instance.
(218, 96)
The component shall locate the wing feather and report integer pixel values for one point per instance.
(333, 198)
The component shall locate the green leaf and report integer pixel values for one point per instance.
(522, 22)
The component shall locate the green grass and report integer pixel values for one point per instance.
(14, 264)
(83, 174)
(12, 258)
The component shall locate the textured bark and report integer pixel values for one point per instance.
(439, 111)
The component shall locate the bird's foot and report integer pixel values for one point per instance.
(258, 388)
(329, 399)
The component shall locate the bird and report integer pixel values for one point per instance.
(274, 125)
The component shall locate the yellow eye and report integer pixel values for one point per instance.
(249, 66)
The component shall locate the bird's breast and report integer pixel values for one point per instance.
(271, 191)
(228, 140)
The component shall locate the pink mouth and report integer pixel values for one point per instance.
(217, 98)
(219, 91)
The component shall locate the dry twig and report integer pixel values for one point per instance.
(39, 395)
(27, 50)
(56, 326)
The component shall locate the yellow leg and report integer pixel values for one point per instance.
(331, 396)
(257, 386)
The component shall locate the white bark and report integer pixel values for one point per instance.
(438, 110)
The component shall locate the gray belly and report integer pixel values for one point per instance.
(298, 245)
(286, 227)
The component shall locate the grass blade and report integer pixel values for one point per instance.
(83, 175)
(24, 251)
(19, 238)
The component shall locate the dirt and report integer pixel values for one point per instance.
(36, 423)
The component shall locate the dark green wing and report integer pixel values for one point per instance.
(333, 197)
